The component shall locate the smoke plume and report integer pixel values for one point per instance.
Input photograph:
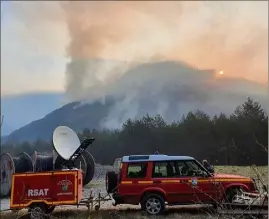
(162, 57)
(111, 40)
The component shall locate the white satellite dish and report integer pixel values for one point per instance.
(65, 141)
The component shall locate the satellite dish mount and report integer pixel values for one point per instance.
(67, 144)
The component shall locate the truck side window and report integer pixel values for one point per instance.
(188, 168)
(182, 169)
(196, 170)
(137, 170)
(163, 169)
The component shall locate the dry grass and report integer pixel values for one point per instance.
(188, 212)
(245, 171)
(172, 213)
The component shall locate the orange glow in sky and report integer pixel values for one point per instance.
(204, 34)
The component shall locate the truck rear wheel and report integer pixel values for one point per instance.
(111, 181)
(153, 204)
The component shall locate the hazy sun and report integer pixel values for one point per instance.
(221, 72)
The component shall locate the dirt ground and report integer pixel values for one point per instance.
(127, 211)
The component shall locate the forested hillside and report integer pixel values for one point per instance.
(238, 139)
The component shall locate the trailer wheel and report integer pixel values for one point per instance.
(38, 211)
(111, 181)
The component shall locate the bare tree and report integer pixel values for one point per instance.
(263, 146)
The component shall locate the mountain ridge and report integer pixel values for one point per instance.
(170, 89)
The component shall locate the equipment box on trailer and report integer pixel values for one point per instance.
(46, 188)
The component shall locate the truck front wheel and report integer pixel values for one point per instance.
(231, 195)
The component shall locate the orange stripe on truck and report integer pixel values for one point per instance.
(190, 180)
(170, 181)
(145, 182)
(221, 180)
(126, 182)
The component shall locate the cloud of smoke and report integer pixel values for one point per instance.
(222, 35)
(121, 49)
(172, 89)
(110, 39)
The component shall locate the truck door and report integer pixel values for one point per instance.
(165, 177)
(204, 189)
(134, 181)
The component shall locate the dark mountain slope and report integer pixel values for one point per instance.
(170, 89)
(70, 115)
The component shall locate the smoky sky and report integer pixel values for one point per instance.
(125, 49)
(229, 36)
(151, 55)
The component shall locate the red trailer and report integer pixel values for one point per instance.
(40, 192)
(43, 191)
